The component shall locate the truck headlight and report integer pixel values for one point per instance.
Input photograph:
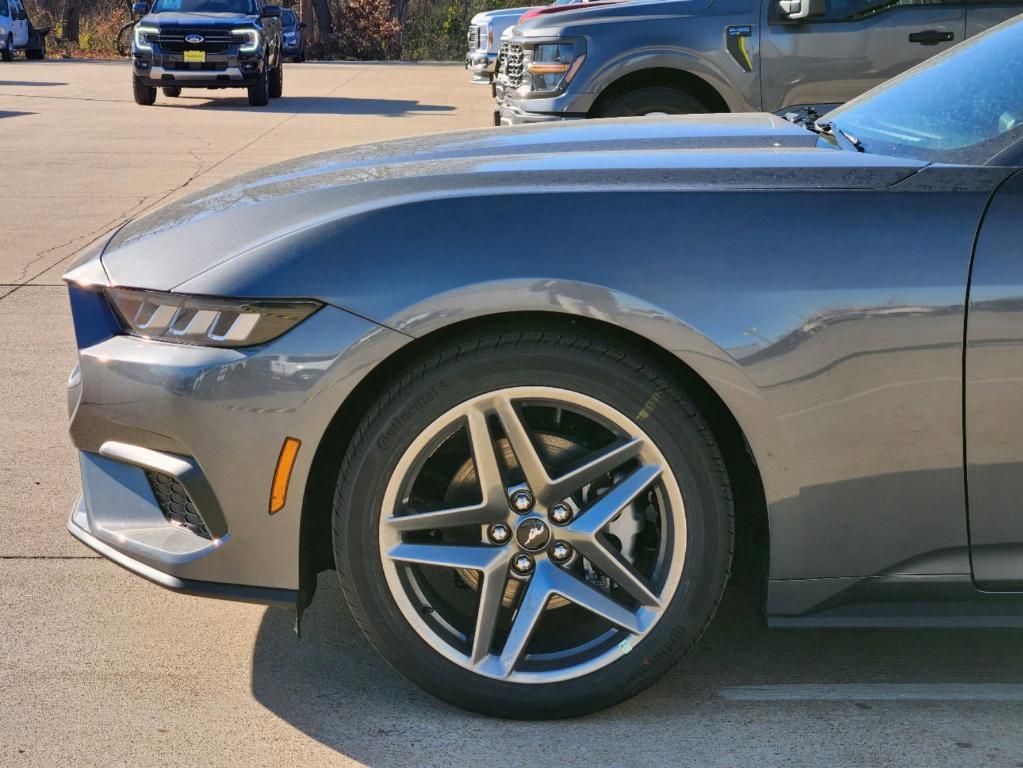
(206, 320)
(251, 43)
(143, 36)
(553, 65)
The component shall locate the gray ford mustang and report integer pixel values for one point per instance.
(538, 394)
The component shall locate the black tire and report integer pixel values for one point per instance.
(7, 54)
(651, 100)
(277, 81)
(171, 91)
(582, 363)
(259, 92)
(144, 94)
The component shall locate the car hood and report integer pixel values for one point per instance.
(502, 12)
(164, 249)
(576, 19)
(170, 19)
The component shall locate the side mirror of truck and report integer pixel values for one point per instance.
(302, 25)
(795, 11)
(271, 12)
(140, 9)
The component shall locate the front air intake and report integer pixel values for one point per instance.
(176, 504)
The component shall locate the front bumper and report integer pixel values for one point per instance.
(515, 108)
(215, 421)
(482, 65)
(220, 70)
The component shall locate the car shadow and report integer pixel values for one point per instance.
(7, 113)
(331, 685)
(309, 105)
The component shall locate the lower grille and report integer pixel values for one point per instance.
(189, 66)
(176, 504)
(474, 37)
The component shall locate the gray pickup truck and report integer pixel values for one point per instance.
(684, 56)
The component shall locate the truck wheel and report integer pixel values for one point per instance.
(39, 52)
(277, 81)
(652, 100)
(8, 52)
(171, 91)
(144, 94)
(534, 524)
(259, 93)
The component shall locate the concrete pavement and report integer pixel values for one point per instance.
(98, 667)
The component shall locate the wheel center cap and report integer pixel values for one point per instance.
(533, 534)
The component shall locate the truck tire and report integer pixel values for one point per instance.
(652, 100)
(277, 81)
(144, 94)
(7, 54)
(171, 91)
(259, 92)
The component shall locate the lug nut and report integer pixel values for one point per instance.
(561, 551)
(499, 533)
(561, 513)
(522, 501)
(522, 564)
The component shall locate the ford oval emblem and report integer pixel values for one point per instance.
(194, 38)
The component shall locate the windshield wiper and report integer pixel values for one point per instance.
(831, 131)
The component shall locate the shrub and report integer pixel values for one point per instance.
(436, 30)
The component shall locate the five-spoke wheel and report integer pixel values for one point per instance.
(520, 519)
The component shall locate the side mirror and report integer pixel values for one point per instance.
(795, 11)
(302, 25)
(140, 9)
(271, 12)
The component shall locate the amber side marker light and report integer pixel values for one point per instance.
(282, 475)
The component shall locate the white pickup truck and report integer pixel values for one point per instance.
(18, 34)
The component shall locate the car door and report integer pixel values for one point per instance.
(854, 46)
(19, 24)
(994, 394)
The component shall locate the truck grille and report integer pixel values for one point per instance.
(475, 43)
(176, 504)
(172, 40)
(511, 63)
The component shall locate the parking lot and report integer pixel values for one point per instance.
(102, 668)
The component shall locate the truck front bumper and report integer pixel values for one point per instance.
(482, 65)
(515, 109)
(218, 71)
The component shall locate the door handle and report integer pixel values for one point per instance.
(931, 37)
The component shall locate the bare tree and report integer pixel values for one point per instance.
(324, 19)
(71, 20)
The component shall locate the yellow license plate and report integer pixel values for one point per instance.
(196, 56)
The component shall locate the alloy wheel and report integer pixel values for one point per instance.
(558, 553)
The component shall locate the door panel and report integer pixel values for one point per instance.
(858, 44)
(994, 394)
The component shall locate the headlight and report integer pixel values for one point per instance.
(289, 36)
(553, 65)
(205, 320)
(251, 44)
(143, 37)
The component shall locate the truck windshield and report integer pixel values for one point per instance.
(243, 7)
(963, 107)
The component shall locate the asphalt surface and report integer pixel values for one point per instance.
(98, 667)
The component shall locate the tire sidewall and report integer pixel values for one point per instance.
(648, 99)
(391, 431)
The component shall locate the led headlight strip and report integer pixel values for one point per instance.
(206, 320)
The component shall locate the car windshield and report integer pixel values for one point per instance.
(244, 7)
(287, 18)
(964, 106)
